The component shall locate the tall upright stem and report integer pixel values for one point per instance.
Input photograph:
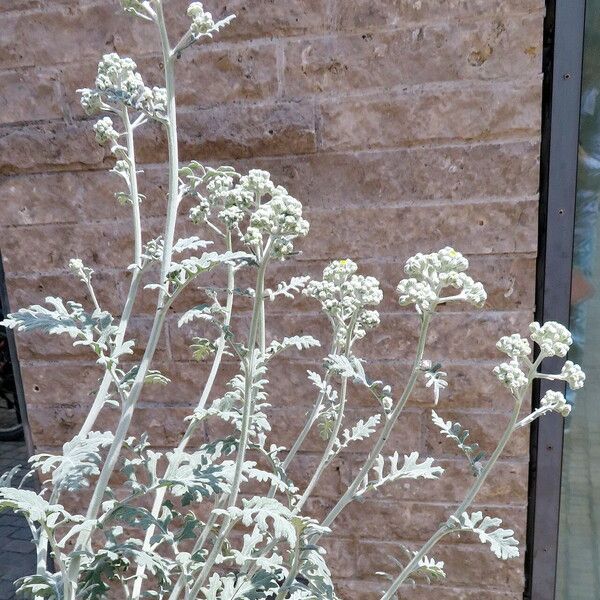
(161, 311)
(100, 398)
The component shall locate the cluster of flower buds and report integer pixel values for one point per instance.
(573, 374)
(553, 339)
(345, 296)
(118, 83)
(78, 269)
(270, 209)
(430, 274)
(511, 375)
(514, 346)
(556, 402)
(105, 132)
(203, 23)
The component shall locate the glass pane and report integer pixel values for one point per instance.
(578, 576)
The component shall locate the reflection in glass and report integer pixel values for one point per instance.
(578, 576)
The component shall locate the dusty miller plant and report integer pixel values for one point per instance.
(145, 538)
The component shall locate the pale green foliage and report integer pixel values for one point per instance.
(140, 535)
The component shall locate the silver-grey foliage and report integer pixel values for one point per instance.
(223, 520)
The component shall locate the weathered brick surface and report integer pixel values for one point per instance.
(403, 125)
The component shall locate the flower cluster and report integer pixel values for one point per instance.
(429, 274)
(514, 345)
(556, 402)
(511, 375)
(279, 217)
(118, 83)
(203, 22)
(105, 132)
(553, 338)
(573, 374)
(345, 296)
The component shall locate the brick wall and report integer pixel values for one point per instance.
(403, 125)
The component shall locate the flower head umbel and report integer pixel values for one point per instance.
(514, 345)
(556, 402)
(553, 338)
(118, 84)
(345, 297)
(269, 211)
(430, 274)
(573, 374)
(511, 375)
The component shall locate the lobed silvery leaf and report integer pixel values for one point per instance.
(301, 342)
(186, 270)
(315, 581)
(190, 243)
(70, 319)
(295, 284)
(231, 587)
(410, 469)
(42, 585)
(197, 477)
(429, 568)
(33, 506)
(80, 459)
(258, 511)
(260, 475)
(455, 432)
(362, 430)
(501, 541)
(348, 366)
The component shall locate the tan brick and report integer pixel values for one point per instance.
(84, 32)
(466, 113)
(48, 145)
(164, 428)
(42, 248)
(269, 18)
(383, 14)
(78, 197)
(479, 228)
(371, 590)
(411, 175)
(28, 95)
(448, 52)
(237, 131)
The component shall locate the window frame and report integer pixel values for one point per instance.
(563, 62)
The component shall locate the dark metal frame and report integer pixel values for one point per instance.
(563, 56)
(14, 359)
